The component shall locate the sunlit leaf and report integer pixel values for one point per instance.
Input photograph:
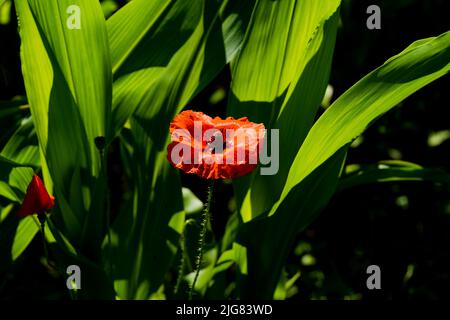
(68, 79)
(279, 78)
(392, 171)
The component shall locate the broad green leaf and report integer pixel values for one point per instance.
(161, 101)
(25, 232)
(108, 7)
(146, 233)
(14, 179)
(15, 236)
(191, 203)
(5, 11)
(279, 78)
(266, 240)
(129, 26)
(206, 273)
(236, 17)
(275, 46)
(381, 90)
(69, 92)
(437, 138)
(11, 112)
(231, 229)
(295, 110)
(17, 160)
(391, 171)
(12, 106)
(377, 93)
(22, 147)
(81, 56)
(95, 284)
(273, 55)
(285, 285)
(154, 87)
(157, 71)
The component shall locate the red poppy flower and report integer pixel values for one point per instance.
(214, 148)
(37, 200)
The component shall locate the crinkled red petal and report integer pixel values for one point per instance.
(215, 170)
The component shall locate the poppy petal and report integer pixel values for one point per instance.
(216, 165)
(37, 199)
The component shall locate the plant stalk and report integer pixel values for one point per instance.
(181, 265)
(201, 242)
(42, 219)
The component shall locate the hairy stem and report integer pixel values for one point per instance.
(100, 143)
(181, 265)
(201, 242)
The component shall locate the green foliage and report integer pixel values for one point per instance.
(124, 78)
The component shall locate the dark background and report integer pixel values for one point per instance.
(401, 227)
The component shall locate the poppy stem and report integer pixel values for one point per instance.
(108, 228)
(181, 265)
(201, 242)
(100, 143)
(42, 218)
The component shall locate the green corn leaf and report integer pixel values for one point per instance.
(381, 90)
(191, 203)
(157, 71)
(279, 78)
(69, 92)
(206, 273)
(22, 147)
(266, 240)
(15, 236)
(139, 17)
(390, 171)
(11, 112)
(293, 110)
(12, 107)
(14, 179)
(108, 7)
(16, 159)
(275, 47)
(95, 284)
(301, 36)
(154, 85)
(26, 230)
(5, 11)
(146, 232)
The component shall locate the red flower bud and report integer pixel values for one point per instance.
(37, 200)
